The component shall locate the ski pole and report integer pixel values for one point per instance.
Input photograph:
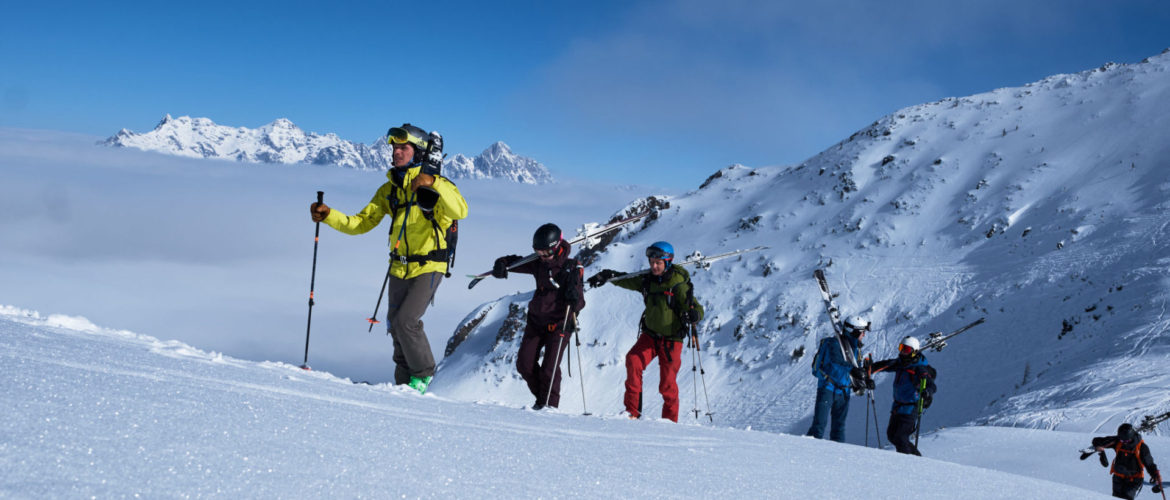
(312, 283)
(373, 319)
(557, 364)
(867, 422)
(694, 377)
(702, 373)
(580, 370)
(877, 430)
(918, 421)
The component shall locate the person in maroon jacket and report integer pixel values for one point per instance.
(552, 312)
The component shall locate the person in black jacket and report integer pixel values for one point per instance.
(1132, 456)
(559, 296)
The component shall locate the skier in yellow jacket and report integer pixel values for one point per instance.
(423, 205)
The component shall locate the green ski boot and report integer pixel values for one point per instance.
(420, 384)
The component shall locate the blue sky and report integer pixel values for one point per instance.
(653, 92)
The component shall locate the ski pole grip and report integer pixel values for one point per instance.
(320, 196)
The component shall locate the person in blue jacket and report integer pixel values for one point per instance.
(913, 392)
(836, 378)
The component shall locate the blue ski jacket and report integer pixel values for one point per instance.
(831, 368)
(909, 373)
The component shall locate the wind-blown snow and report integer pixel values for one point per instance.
(108, 413)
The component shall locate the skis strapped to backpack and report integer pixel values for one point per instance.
(476, 278)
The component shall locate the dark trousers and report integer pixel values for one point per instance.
(899, 433)
(1126, 488)
(638, 358)
(832, 404)
(541, 372)
(408, 300)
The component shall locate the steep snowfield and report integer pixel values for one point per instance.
(1042, 208)
(111, 413)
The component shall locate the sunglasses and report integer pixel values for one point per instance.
(544, 253)
(905, 349)
(399, 135)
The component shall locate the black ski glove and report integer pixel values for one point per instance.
(602, 277)
(927, 399)
(691, 316)
(568, 295)
(500, 268)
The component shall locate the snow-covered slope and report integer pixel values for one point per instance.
(1043, 208)
(95, 412)
(283, 142)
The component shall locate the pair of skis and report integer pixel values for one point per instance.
(697, 260)
(476, 278)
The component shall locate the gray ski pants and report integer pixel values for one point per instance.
(408, 300)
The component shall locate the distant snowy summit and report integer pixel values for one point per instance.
(283, 142)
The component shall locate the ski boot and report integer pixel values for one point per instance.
(420, 384)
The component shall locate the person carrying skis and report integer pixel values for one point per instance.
(552, 312)
(1132, 455)
(671, 310)
(422, 205)
(836, 378)
(913, 392)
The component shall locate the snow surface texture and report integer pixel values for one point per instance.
(109, 413)
(283, 142)
(1042, 208)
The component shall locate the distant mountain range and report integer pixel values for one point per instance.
(283, 142)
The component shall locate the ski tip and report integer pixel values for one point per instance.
(474, 281)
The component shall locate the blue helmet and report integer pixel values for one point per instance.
(661, 250)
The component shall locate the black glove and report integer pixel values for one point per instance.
(1157, 488)
(602, 277)
(927, 399)
(691, 316)
(1156, 478)
(568, 295)
(500, 268)
(432, 162)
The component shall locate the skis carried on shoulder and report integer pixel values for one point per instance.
(834, 317)
(476, 278)
(696, 259)
(937, 341)
(1150, 422)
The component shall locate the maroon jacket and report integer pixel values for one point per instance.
(546, 306)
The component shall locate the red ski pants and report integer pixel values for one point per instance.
(669, 354)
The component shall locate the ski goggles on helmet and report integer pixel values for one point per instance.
(905, 349)
(399, 135)
(658, 253)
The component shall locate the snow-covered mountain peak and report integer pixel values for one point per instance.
(1041, 207)
(281, 141)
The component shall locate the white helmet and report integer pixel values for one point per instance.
(855, 326)
(910, 342)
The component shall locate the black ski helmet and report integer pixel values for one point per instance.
(410, 134)
(546, 237)
(1125, 432)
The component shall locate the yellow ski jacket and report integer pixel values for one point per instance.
(419, 236)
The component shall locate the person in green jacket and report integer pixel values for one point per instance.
(422, 205)
(671, 312)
